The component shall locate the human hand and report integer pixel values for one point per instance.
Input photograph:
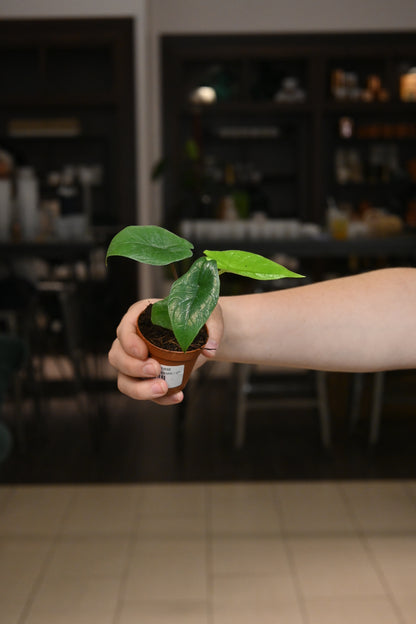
(137, 374)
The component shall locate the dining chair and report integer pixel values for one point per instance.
(280, 389)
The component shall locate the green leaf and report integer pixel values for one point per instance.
(191, 300)
(249, 264)
(149, 244)
(160, 314)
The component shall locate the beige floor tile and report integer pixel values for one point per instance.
(396, 558)
(407, 608)
(381, 506)
(245, 521)
(178, 612)
(16, 588)
(35, 510)
(249, 556)
(257, 591)
(311, 508)
(21, 562)
(10, 613)
(23, 553)
(411, 486)
(376, 610)
(89, 557)
(167, 570)
(282, 613)
(5, 493)
(334, 567)
(65, 600)
(187, 499)
(70, 617)
(243, 510)
(234, 494)
(173, 526)
(108, 510)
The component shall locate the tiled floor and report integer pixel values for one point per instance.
(270, 552)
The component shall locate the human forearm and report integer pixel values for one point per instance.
(358, 323)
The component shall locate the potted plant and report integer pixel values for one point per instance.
(174, 328)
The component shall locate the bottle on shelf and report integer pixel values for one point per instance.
(72, 222)
(27, 202)
(50, 205)
(6, 201)
(408, 85)
(234, 202)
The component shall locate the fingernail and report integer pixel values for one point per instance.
(150, 370)
(176, 398)
(158, 388)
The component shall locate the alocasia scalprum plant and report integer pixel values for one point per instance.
(194, 295)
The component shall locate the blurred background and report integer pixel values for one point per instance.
(288, 130)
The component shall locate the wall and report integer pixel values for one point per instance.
(170, 16)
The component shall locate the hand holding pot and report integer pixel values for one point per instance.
(137, 373)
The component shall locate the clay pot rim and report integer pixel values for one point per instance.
(171, 353)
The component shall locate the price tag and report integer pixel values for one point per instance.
(173, 375)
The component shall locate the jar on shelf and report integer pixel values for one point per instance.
(27, 202)
(5, 208)
(408, 85)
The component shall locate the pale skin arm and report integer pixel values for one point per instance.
(361, 323)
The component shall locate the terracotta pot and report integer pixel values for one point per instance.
(176, 366)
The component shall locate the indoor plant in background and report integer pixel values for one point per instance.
(174, 327)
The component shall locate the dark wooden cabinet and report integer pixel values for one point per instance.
(67, 98)
(300, 118)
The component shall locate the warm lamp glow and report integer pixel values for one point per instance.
(203, 95)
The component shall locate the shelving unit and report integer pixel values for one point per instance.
(79, 70)
(337, 76)
(67, 99)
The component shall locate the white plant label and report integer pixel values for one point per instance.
(173, 375)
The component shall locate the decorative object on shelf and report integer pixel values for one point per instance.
(203, 95)
(345, 87)
(5, 208)
(337, 219)
(408, 85)
(386, 130)
(72, 220)
(346, 127)
(290, 91)
(27, 202)
(6, 194)
(248, 132)
(217, 83)
(50, 127)
(257, 228)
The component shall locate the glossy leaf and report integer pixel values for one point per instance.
(192, 299)
(150, 244)
(160, 314)
(249, 264)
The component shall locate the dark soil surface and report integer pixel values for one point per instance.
(164, 338)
